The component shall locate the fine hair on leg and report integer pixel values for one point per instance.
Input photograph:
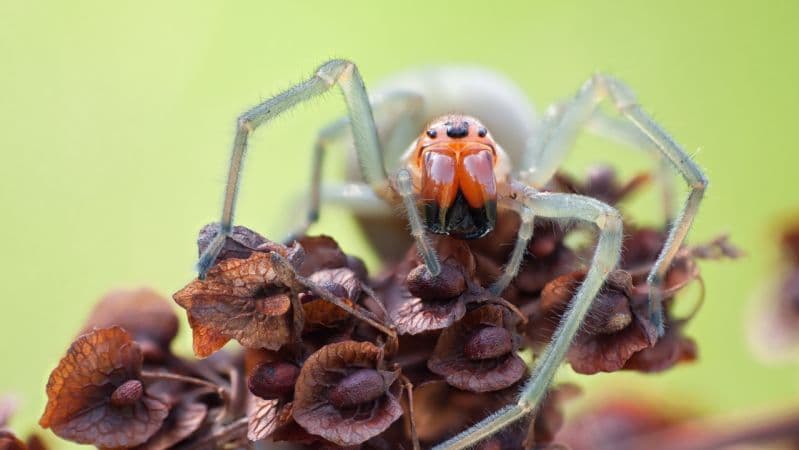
(336, 72)
(609, 225)
(549, 147)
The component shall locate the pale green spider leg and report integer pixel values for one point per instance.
(552, 143)
(336, 72)
(606, 256)
(524, 235)
(394, 114)
(624, 132)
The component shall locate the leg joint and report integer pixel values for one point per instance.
(700, 184)
(609, 219)
(244, 124)
(331, 71)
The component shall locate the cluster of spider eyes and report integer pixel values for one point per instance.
(334, 358)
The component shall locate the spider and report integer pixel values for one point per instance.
(455, 175)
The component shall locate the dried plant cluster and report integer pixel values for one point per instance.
(334, 358)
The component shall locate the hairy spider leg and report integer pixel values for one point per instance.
(551, 145)
(609, 224)
(524, 235)
(405, 189)
(336, 72)
(393, 115)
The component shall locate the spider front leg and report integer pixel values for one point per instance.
(524, 235)
(392, 112)
(606, 256)
(405, 190)
(336, 72)
(558, 134)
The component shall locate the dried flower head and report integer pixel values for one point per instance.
(320, 313)
(344, 394)
(95, 395)
(478, 353)
(441, 410)
(184, 420)
(614, 330)
(417, 301)
(147, 316)
(240, 244)
(243, 299)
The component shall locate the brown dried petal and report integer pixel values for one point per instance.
(590, 354)
(416, 314)
(322, 372)
(440, 410)
(146, 315)
(239, 244)
(602, 345)
(240, 299)
(262, 417)
(412, 315)
(318, 312)
(8, 441)
(265, 416)
(321, 252)
(671, 349)
(79, 393)
(450, 360)
(183, 421)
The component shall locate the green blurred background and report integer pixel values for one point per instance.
(117, 120)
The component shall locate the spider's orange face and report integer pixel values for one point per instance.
(456, 158)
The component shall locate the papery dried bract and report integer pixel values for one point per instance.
(452, 359)
(605, 346)
(427, 310)
(325, 371)
(183, 420)
(242, 299)
(320, 313)
(147, 316)
(79, 393)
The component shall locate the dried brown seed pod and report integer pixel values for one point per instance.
(478, 353)
(127, 394)
(242, 299)
(273, 380)
(488, 343)
(153, 325)
(417, 302)
(185, 419)
(320, 313)
(272, 374)
(441, 410)
(448, 284)
(321, 252)
(671, 349)
(9, 441)
(240, 244)
(603, 345)
(337, 399)
(81, 390)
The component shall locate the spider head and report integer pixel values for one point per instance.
(455, 158)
